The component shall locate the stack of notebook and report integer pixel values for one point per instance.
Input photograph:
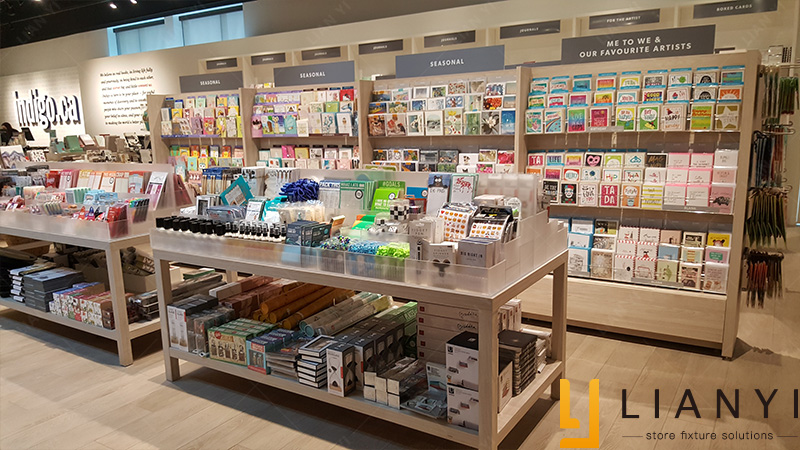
(13, 260)
(312, 365)
(520, 348)
(39, 286)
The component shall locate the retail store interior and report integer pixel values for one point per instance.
(439, 225)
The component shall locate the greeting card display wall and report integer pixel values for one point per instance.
(314, 127)
(442, 123)
(661, 144)
(192, 133)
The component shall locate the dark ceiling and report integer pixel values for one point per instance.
(26, 21)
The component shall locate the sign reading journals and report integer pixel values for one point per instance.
(641, 44)
(380, 47)
(439, 40)
(224, 81)
(479, 59)
(338, 72)
(272, 58)
(226, 63)
(530, 29)
(624, 19)
(735, 7)
(321, 53)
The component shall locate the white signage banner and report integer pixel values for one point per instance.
(42, 101)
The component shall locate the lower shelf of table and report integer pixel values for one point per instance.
(136, 329)
(506, 420)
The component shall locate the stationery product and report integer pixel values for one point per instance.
(649, 116)
(628, 96)
(587, 194)
(554, 121)
(667, 270)
(623, 268)
(717, 254)
(715, 277)
(626, 117)
(609, 194)
(690, 275)
(576, 120)
(701, 116)
(678, 94)
(602, 263)
(719, 239)
(673, 117)
(727, 115)
(534, 121)
(599, 117)
(645, 268)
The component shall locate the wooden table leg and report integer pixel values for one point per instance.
(559, 339)
(119, 305)
(488, 383)
(164, 286)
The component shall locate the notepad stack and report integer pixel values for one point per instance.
(312, 365)
(39, 287)
(17, 288)
(524, 350)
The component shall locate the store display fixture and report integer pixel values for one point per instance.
(411, 119)
(374, 254)
(658, 143)
(109, 221)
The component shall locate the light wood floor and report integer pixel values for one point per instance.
(50, 398)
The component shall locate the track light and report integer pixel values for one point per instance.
(112, 5)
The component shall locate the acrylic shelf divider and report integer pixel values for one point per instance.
(696, 318)
(543, 250)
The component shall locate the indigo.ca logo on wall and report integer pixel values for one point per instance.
(46, 111)
(727, 404)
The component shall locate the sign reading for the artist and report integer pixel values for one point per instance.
(642, 44)
(337, 72)
(625, 19)
(479, 59)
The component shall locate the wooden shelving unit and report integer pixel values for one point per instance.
(460, 142)
(697, 318)
(493, 427)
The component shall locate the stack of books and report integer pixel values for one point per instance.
(12, 260)
(40, 286)
(17, 289)
(520, 348)
(312, 365)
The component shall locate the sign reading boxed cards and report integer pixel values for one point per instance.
(641, 44)
(338, 72)
(735, 7)
(479, 59)
(225, 81)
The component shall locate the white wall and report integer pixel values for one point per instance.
(55, 83)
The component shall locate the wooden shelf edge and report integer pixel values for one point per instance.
(645, 288)
(518, 406)
(138, 329)
(91, 329)
(401, 417)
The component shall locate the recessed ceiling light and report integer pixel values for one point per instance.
(134, 2)
(112, 5)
